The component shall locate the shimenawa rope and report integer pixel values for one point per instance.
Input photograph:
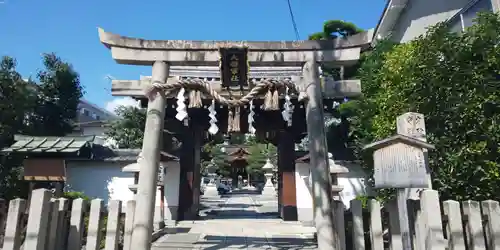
(151, 90)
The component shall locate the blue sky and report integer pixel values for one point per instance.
(69, 28)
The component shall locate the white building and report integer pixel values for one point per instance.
(91, 119)
(404, 20)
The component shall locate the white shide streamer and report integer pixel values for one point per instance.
(287, 109)
(251, 129)
(181, 106)
(213, 119)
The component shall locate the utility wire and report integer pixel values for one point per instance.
(297, 36)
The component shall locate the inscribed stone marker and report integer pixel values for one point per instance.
(412, 125)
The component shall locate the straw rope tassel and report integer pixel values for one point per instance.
(268, 99)
(195, 99)
(275, 101)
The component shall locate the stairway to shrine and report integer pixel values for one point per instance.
(239, 220)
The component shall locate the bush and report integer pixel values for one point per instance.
(453, 79)
(71, 195)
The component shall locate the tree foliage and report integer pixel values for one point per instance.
(218, 158)
(46, 107)
(15, 101)
(58, 95)
(451, 78)
(334, 29)
(212, 154)
(259, 153)
(128, 131)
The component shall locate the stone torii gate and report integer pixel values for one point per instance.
(298, 59)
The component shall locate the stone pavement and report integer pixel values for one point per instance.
(238, 221)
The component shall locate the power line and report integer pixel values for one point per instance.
(297, 36)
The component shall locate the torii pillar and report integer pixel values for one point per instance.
(151, 146)
(190, 176)
(286, 166)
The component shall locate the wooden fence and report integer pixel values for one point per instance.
(55, 224)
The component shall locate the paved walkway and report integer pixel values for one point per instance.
(238, 221)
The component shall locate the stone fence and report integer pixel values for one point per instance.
(56, 224)
(433, 224)
(50, 224)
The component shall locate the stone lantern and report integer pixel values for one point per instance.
(211, 187)
(240, 181)
(335, 170)
(268, 173)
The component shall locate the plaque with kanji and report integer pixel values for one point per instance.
(234, 67)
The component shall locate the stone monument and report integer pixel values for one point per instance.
(412, 124)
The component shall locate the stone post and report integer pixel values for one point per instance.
(146, 192)
(113, 225)
(129, 225)
(39, 212)
(413, 125)
(94, 234)
(12, 236)
(62, 226)
(320, 172)
(53, 224)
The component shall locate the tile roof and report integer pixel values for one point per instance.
(71, 144)
(44, 144)
(103, 153)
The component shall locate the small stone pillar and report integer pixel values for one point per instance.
(268, 189)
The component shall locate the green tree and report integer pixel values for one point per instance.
(453, 79)
(16, 102)
(128, 131)
(335, 28)
(221, 161)
(26, 107)
(59, 92)
(259, 153)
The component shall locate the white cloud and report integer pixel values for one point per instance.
(117, 102)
